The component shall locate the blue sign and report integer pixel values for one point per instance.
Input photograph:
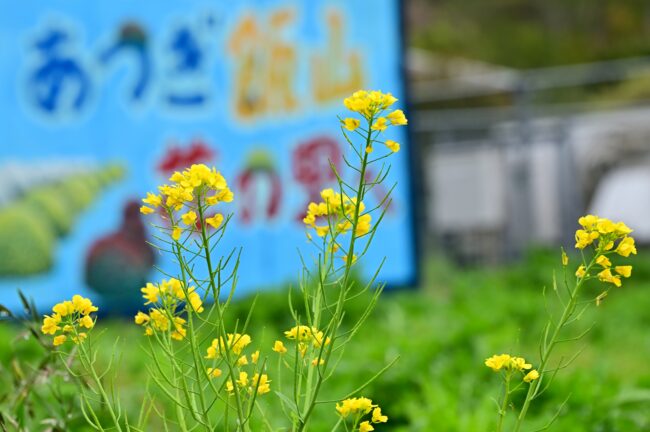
(102, 102)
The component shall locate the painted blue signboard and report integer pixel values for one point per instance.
(103, 101)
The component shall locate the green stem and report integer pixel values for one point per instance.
(198, 364)
(316, 310)
(87, 363)
(569, 309)
(504, 404)
(216, 291)
(311, 398)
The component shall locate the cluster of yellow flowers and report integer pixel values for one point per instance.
(360, 407)
(167, 297)
(197, 185)
(512, 364)
(162, 321)
(371, 104)
(338, 212)
(236, 343)
(259, 383)
(70, 317)
(305, 336)
(608, 238)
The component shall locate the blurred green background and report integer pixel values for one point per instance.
(442, 334)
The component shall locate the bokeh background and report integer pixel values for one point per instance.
(523, 115)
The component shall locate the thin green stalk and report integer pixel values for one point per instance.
(87, 363)
(206, 247)
(504, 404)
(345, 281)
(569, 309)
(316, 312)
(198, 365)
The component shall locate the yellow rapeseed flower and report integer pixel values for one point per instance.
(51, 324)
(279, 347)
(153, 200)
(215, 221)
(141, 318)
(625, 271)
(581, 271)
(79, 338)
(236, 343)
(176, 233)
(531, 376)
(262, 383)
(519, 363)
(605, 226)
(225, 195)
(363, 225)
(603, 261)
(585, 238)
(365, 426)
(380, 124)
(497, 362)
(179, 328)
(83, 305)
(64, 308)
(377, 416)
(146, 210)
(506, 361)
(317, 362)
(213, 372)
(189, 218)
(588, 222)
(354, 406)
(607, 276)
(59, 340)
(392, 145)
(622, 229)
(87, 322)
(243, 379)
(150, 293)
(397, 118)
(351, 123)
(626, 247)
(159, 320)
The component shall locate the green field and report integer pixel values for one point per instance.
(442, 333)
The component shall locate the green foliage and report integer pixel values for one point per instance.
(29, 226)
(52, 209)
(525, 33)
(443, 332)
(27, 242)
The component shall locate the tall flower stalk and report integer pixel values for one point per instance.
(599, 241)
(342, 230)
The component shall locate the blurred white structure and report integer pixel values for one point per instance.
(505, 170)
(598, 163)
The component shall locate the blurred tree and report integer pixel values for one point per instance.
(532, 33)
